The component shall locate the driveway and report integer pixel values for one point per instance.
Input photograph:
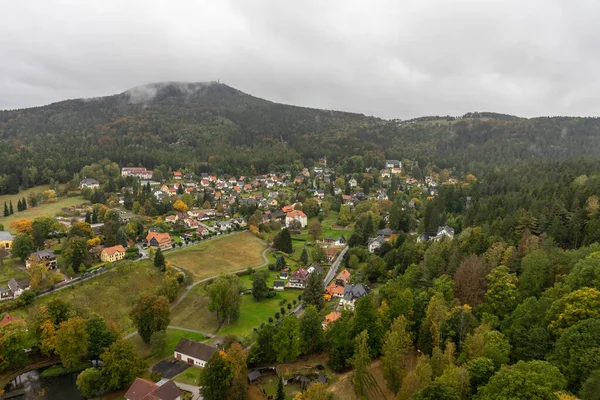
(170, 368)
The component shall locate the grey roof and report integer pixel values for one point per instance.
(254, 375)
(317, 267)
(447, 229)
(278, 283)
(195, 349)
(385, 232)
(5, 236)
(43, 254)
(89, 181)
(352, 292)
(378, 239)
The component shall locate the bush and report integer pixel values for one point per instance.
(289, 306)
(270, 320)
(155, 376)
(282, 302)
(277, 316)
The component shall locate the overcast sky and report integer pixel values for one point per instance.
(393, 59)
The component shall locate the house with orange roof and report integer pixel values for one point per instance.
(331, 318)
(296, 215)
(158, 240)
(177, 175)
(343, 277)
(335, 290)
(112, 254)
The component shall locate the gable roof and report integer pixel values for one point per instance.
(296, 214)
(331, 317)
(114, 249)
(278, 284)
(344, 275)
(352, 292)
(5, 236)
(334, 289)
(316, 267)
(39, 255)
(160, 237)
(195, 349)
(300, 274)
(139, 389)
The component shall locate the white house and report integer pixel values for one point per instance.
(296, 215)
(17, 288)
(193, 352)
(375, 243)
(352, 182)
(393, 164)
(351, 294)
(89, 183)
(444, 231)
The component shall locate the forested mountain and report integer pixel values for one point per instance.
(211, 126)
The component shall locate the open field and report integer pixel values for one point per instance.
(45, 210)
(193, 313)
(173, 337)
(112, 294)
(11, 269)
(23, 193)
(229, 253)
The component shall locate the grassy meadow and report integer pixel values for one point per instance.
(225, 254)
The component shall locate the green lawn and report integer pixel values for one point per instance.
(11, 269)
(193, 313)
(43, 210)
(269, 384)
(173, 337)
(190, 376)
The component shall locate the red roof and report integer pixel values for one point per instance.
(112, 250)
(296, 214)
(334, 289)
(300, 274)
(344, 275)
(160, 237)
(176, 173)
(331, 317)
(9, 318)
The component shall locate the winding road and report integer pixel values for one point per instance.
(190, 287)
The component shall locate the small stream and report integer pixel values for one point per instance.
(56, 388)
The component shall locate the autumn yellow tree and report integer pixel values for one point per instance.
(180, 206)
(22, 226)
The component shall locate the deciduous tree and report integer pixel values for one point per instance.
(311, 333)
(121, 365)
(396, 343)
(150, 314)
(287, 340)
(313, 292)
(72, 342)
(225, 299)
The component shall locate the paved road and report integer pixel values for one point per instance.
(334, 267)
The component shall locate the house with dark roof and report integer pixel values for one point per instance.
(193, 352)
(353, 293)
(278, 285)
(386, 233)
(142, 389)
(18, 287)
(47, 257)
(315, 267)
(375, 243)
(89, 183)
(298, 278)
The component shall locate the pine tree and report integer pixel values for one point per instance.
(280, 392)
(283, 241)
(94, 217)
(159, 260)
(304, 256)
(313, 293)
(88, 217)
(12, 211)
(19, 205)
(6, 212)
(24, 204)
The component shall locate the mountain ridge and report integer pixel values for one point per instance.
(204, 127)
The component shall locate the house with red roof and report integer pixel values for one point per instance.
(298, 278)
(142, 389)
(112, 254)
(331, 318)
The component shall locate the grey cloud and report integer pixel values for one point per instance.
(394, 59)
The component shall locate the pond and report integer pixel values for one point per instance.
(55, 388)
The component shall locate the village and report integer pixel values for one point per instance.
(146, 217)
